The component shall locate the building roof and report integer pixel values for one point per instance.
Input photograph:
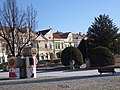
(43, 32)
(41, 37)
(61, 35)
(64, 35)
(77, 36)
(8, 29)
(5, 28)
(57, 35)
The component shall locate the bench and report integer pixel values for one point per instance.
(106, 70)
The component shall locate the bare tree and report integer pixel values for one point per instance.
(17, 26)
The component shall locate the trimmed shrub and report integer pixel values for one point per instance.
(71, 53)
(101, 56)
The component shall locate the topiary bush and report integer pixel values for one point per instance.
(101, 56)
(71, 53)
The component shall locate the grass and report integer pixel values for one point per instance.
(117, 60)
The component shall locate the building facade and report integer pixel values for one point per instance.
(21, 38)
(49, 45)
(45, 44)
(3, 55)
(62, 40)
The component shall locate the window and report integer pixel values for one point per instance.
(58, 55)
(0, 60)
(50, 45)
(75, 45)
(58, 46)
(62, 46)
(42, 57)
(47, 56)
(45, 45)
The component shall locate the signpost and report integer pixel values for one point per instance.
(14, 72)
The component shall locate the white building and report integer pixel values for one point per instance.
(45, 44)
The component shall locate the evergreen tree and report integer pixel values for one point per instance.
(105, 33)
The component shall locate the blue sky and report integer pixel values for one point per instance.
(71, 15)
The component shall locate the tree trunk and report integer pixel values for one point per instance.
(72, 64)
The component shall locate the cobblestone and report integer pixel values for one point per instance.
(61, 83)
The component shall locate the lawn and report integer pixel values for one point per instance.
(117, 59)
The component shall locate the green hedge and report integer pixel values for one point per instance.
(101, 56)
(71, 53)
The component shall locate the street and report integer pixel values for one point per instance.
(64, 80)
(64, 73)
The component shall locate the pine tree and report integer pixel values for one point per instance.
(105, 33)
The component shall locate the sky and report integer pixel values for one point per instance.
(71, 15)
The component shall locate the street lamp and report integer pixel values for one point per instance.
(3, 59)
(117, 45)
(72, 62)
(86, 52)
(86, 47)
(116, 39)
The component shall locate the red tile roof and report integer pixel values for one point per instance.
(57, 35)
(61, 35)
(76, 36)
(7, 29)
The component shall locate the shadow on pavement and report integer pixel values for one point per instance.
(63, 69)
(39, 80)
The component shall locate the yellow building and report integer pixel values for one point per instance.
(62, 40)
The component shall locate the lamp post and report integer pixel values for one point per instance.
(54, 52)
(3, 55)
(3, 59)
(117, 44)
(86, 52)
(72, 62)
(86, 47)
